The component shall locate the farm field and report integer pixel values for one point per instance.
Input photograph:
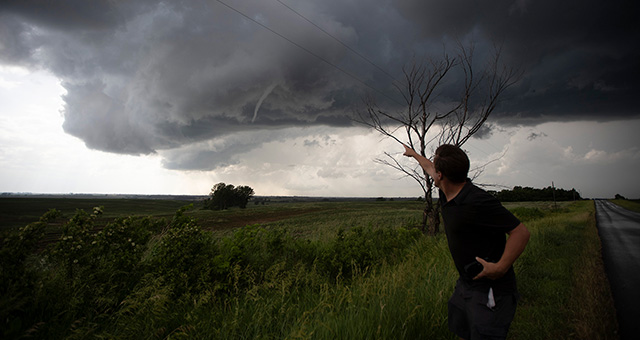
(312, 270)
(20, 211)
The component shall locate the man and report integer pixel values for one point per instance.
(484, 301)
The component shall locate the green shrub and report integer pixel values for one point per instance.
(71, 248)
(17, 278)
(360, 248)
(182, 255)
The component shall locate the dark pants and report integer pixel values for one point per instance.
(470, 318)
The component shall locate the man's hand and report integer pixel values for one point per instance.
(425, 163)
(409, 152)
(490, 270)
(517, 241)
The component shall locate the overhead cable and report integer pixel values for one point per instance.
(338, 40)
(310, 52)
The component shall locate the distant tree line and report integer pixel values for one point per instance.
(224, 196)
(520, 194)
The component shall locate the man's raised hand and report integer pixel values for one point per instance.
(409, 152)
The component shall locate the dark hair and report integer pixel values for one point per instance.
(452, 162)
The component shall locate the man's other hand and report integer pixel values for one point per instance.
(490, 270)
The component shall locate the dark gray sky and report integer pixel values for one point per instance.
(149, 76)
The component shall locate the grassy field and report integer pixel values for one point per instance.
(633, 205)
(315, 270)
(20, 211)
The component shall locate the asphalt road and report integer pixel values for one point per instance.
(619, 231)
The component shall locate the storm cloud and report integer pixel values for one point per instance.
(204, 80)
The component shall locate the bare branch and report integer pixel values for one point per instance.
(479, 170)
(413, 173)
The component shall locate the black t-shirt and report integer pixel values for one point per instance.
(476, 225)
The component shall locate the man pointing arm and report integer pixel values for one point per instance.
(484, 301)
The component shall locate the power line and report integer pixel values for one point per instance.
(338, 40)
(310, 52)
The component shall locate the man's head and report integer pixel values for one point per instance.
(452, 163)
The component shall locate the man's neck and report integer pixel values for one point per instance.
(450, 189)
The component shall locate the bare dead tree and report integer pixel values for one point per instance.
(480, 97)
(426, 118)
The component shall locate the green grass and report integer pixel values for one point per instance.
(633, 205)
(313, 220)
(565, 293)
(323, 270)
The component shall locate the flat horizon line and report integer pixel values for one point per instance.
(70, 195)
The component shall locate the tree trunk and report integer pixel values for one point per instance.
(434, 219)
(427, 213)
(425, 216)
(430, 214)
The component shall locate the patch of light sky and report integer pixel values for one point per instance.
(596, 158)
(37, 156)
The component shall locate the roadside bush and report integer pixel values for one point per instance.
(87, 274)
(259, 248)
(16, 246)
(182, 256)
(71, 248)
(361, 248)
(121, 244)
(17, 279)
